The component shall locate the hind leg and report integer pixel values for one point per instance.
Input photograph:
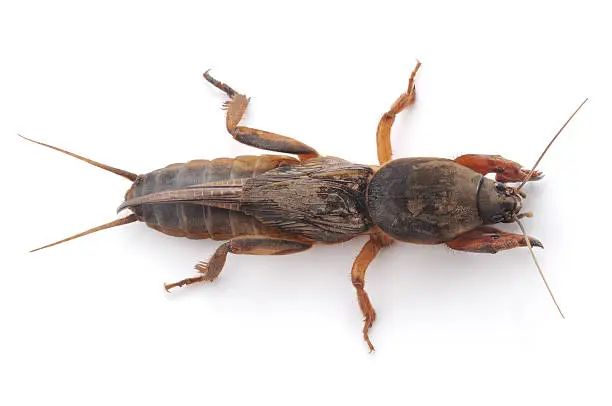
(236, 107)
(255, 245)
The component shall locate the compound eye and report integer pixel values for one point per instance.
(497, 218)
(500, 187)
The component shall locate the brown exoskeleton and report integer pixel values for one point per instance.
(277, 204)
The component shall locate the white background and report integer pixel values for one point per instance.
(88, 322)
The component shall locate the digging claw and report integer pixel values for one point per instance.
(537, 175)
(518, 175)
(534, 242)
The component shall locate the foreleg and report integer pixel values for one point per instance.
(490, 240)
(506, 170)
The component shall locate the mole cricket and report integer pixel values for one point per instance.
(279, 204)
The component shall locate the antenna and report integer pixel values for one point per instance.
(538, 265)
(549, 144)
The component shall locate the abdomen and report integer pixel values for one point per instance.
(198, 221)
